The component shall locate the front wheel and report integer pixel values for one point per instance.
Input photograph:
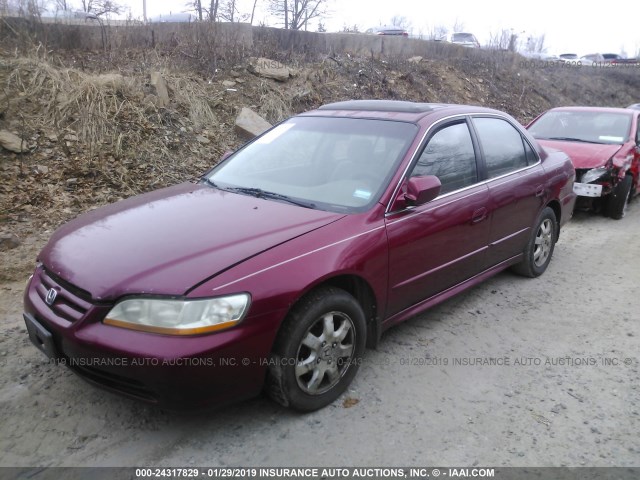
(538, 252)
(617, 204)
(318, 350)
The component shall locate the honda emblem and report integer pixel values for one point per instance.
(51, 297)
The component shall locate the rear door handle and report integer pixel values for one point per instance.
(479, 215)
(539, 190)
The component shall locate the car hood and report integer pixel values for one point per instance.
(167, 241)
(583, 155)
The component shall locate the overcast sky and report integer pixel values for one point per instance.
(569, 27)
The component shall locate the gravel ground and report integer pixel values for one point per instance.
(566, 392)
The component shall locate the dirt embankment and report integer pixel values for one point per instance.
(99, 127)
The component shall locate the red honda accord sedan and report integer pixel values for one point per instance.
(294, 253)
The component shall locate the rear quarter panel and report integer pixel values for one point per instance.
(560, 178)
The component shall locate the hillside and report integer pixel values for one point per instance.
(99, 129)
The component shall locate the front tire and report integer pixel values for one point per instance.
(317, 351)
(538, 252)
(617, 205)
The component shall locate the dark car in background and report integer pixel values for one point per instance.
(617, 59)
(603, 144)
(279, 266)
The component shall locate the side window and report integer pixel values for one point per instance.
(449, 155)
(502, 146)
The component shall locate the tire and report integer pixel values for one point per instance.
(619, 198)
(539, 250)
(318, 350)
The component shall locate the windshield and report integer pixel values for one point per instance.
(335, 164)
(463, 37)
(592, 127)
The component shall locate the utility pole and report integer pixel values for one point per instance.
(144, 10)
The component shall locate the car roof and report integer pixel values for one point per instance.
(395, 110)
(593, 109)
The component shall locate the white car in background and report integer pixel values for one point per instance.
(548, 57)
(182, 17)
(464, 39)
(574, 59)
(388, 30)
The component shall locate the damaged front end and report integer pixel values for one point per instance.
(595, 185)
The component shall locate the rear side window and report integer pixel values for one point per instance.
(449, 155)
(502, 145)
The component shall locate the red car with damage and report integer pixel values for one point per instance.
(279, 266)
(604, 146)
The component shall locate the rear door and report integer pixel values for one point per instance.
(516, 186)
(437, 245)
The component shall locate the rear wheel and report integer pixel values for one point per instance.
(538, 252)
(317, 351)
(619, 198)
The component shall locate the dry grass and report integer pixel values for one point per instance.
(193, 94)
(92, 107)
(275, 105)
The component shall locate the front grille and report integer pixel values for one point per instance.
(68, 305)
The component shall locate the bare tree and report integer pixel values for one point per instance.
(351, 29)
(213, 9)
(196, 6)
(5, 6)
(253, 10)
(438, 32)
(514, 41)
(212, 12)
(500, 40)
(62, 5)
(229, 12)
(623, 52)
(458, 26)
(536, 44)
(401, 21)
(101, 7)
(28, 8)
(296, 14)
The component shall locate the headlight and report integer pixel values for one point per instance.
(594, 174)
(179, 317)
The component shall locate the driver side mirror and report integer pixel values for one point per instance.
(421, 190)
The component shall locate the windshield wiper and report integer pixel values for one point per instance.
(259, 193)
(572, 139)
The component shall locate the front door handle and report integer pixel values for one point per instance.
(479, 215)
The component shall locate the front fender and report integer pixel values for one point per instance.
(623, 164)
(355, 245)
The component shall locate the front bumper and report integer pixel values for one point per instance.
(174, 372)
